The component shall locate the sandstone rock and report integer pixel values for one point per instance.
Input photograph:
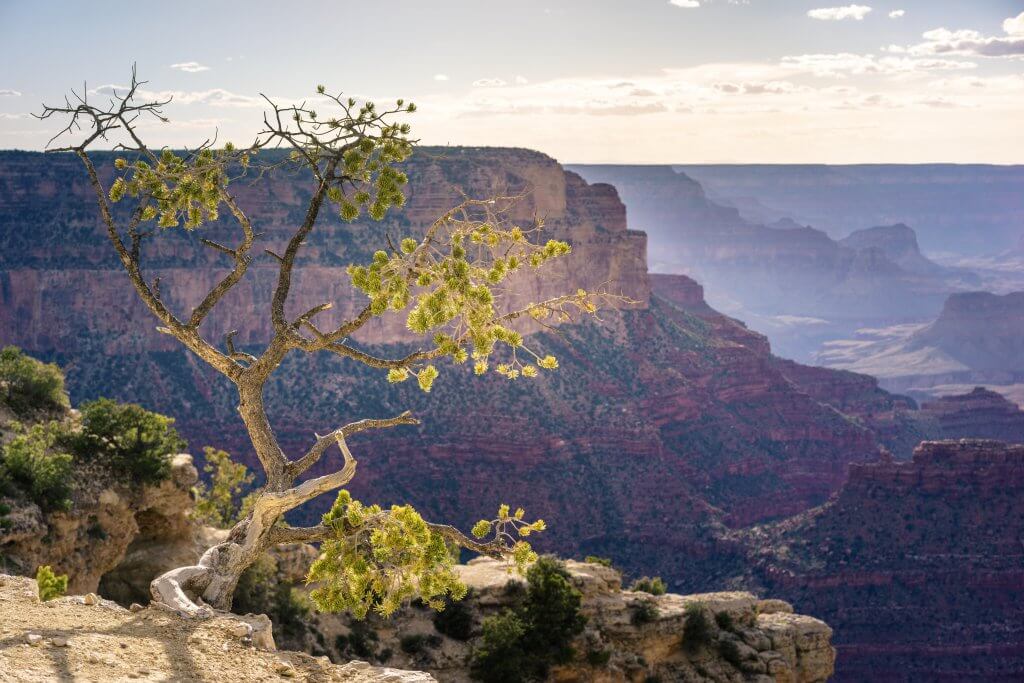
(59, 641)
(90, 599)
(34, 639)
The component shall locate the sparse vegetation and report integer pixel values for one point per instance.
(34, 462)
(598, 658)
(697, 632)
(643, 612)
(456, 619)
(29, 386)
(725, 621)
(219, 503)
(594, 559)
(50, 584)
(521, 644)
(654, 586)
(127, 439)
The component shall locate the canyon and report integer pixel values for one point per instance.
(668, 437)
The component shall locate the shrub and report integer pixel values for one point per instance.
(724, 621)
(29, 386)
(730, 652)
(599, 658)
(128, 439)
(455, 620)
(33, 463)
(654, 586)
(697, 631)
(50, 585)
(644, 612)
(415, 643)
(219, 504)
(594, 559)
(521, 644)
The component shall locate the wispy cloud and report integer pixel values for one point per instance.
(897, 13)
(440, 77)
(686, 4)
(190, 67)
(489, 83)
(842, 64)
(855, 12)
(215, 97)
(9, 93)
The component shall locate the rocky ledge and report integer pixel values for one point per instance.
(749, 639)
(89, 639)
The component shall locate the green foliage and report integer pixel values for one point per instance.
(380, 559)
(455, 620)
(34, 462)
(449, 282)
(598, 658)
(50, 585)
(521, 644)
(697, 632)
(725, 621)
(654, 586)
(643, 612)
(28, 386)
(361, 641)
(415, 643)
(603, 561)
(128, 439)
(218, 503)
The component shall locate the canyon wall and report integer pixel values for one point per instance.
(918, 564)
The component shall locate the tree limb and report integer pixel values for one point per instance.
(313, 455)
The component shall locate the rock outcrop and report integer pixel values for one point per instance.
(767, 641)
(76, 638)
(917, 565)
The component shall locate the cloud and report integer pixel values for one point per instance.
(1014, 26)
(521, 80)
(844, 64)
(897, 13)
(855, 12)
(9, 93)
(686, 4)
(942, 41)
(215, 97)
(489, 83)
(440, 77)
(190, 67)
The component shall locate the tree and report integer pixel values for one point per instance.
(447, 283)
(216, 503)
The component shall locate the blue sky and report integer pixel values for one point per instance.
(639, 81)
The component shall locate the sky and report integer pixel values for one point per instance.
(627, 81)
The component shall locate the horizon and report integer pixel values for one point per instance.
(665, 82)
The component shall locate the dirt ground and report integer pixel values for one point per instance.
(68, 640)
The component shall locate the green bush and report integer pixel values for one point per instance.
(50, 585)
(33, 463)
(128, 439)
(654, 586)
(599, 658)
(644, 612)
(697, 632)
(594, 559)
(29, 386)
(455, 620)
(724, 621)
(416, 643)
(522, 643)
(730, 652)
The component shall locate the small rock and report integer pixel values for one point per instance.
(226, 646)
(136, 607)
(59, 641)
(284, 668)
(34, 639)
(240, 629)
(90, 599)
(124, 646)
(92, 658)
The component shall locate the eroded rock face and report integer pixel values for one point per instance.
(771, 642)
(114, 539)
(916, 565)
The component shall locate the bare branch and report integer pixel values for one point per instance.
(314, 454)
